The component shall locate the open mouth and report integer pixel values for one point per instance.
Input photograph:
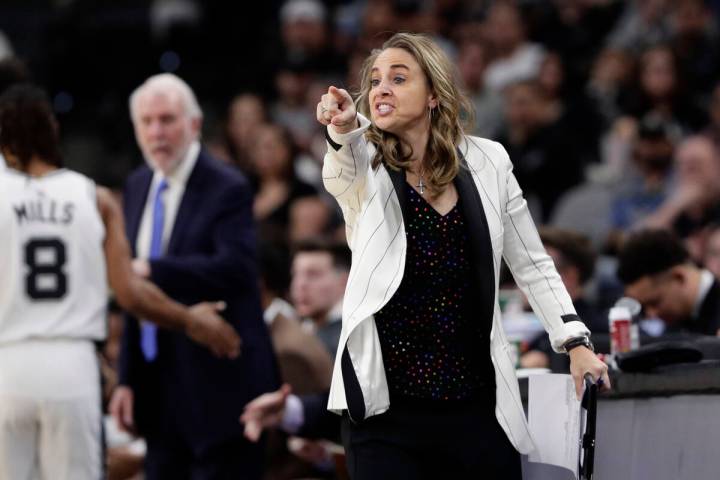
(383, 108)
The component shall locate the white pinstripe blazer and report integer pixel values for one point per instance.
(376, 235)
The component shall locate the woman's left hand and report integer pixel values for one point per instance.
(583, 361)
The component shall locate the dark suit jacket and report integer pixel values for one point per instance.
(708, 320)
(211, 255)
(318, 421)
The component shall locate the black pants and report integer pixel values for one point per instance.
(170, 459)
(419, 443)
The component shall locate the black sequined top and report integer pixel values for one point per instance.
(429, 337)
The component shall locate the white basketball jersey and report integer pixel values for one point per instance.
(54, 281)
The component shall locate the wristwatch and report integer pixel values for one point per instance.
(577, 342)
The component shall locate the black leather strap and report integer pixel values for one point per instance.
(570, 317)
(577, 342)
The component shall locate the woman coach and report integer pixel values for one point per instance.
(424, 371)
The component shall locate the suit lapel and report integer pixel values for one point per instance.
(398, 180)
(479, 236)
(191, 198)
(135, 202)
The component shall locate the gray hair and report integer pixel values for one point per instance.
(165, 83)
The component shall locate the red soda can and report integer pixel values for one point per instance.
(620, 330)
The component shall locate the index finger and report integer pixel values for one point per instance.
(340, 94)
(579, 386)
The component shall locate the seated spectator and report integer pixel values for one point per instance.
(656, 270)
(245, 114)
(643, 23)
(694, 201)
(569, 108)
(660, 92)
(609, 78)
(694, 41)
(292, 82)
(574, 259)
(516, 59)
(545, 157)
(310, 217)
(647, 183)
(473, 58)
(275, 181)
(303, 360)
(305, 34)
(319, 273)
(305, 364)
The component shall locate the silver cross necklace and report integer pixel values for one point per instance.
(421, 185)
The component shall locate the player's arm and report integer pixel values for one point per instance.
(142, 298)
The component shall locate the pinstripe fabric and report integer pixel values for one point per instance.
(376, 235)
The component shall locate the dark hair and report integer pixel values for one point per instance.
(340, 253)
(285, 137)
(532, 85)
(27, 125)
(649, 252)
(12, 71)
(575, 248)
(274, 267)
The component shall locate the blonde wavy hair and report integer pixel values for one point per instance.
(447, 120)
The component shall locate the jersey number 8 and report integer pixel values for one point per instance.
(45, 258)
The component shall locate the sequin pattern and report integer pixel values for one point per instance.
(429, 342)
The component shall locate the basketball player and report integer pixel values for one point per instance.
(62, 241)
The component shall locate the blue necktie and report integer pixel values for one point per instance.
(148, 331)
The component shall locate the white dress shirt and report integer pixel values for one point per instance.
(706, 281)
(172, 197)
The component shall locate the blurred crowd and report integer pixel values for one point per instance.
(609, 110)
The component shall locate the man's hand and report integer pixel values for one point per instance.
(141, 268)
(208, 328)
(337, 108)
(312, 451)
(582, 361)
(121, 408)
(266, 411)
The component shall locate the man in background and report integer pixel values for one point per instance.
(574, 259)
(656, 270)
(189, 219)
(63, 242)
(319, 274)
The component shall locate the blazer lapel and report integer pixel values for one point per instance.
(398, 180)
(135, 202)
(189, 205)
(479, 235)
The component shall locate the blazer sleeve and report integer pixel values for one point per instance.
(230, 267)
(346, 167)
(532, 268)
